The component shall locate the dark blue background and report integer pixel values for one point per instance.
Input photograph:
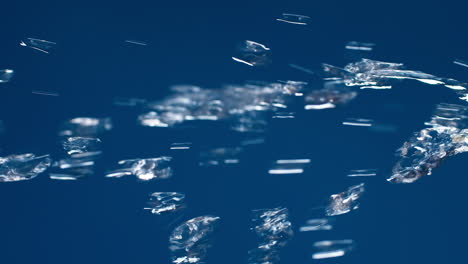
(97, 220)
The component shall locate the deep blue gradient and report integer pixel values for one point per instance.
(99, 220)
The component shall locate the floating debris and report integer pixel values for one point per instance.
(294, 19)
(190, 241)
(332, 248)
(6, 75)
(446, 136)
(321, 224)
(253, 54)
(85, 126)
(345, 202)
(358, 122)
(22, 167)
(140, 43)
(165, 202)
(274, 230)
(361, 46)
(363, 173)
(38, 44)
(144, 169)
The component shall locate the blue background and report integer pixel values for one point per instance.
(98, 220)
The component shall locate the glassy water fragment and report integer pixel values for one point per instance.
(328, 98)
(245, 107)
(6, 75)
(345, 202)
(358, 122)
(75, 166)
(79, 145)
(321, 224)
(253, 54)
(136, 42)
(361, 46)
(165, 202)
(144, 169)
(85, 126)
(274, 230)
(363, 173)
(332, 248)
(447, 135)
(220, 156)
(22, 167)
(294, 19)
(371, 73)
(190, 241)
(38, 44)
